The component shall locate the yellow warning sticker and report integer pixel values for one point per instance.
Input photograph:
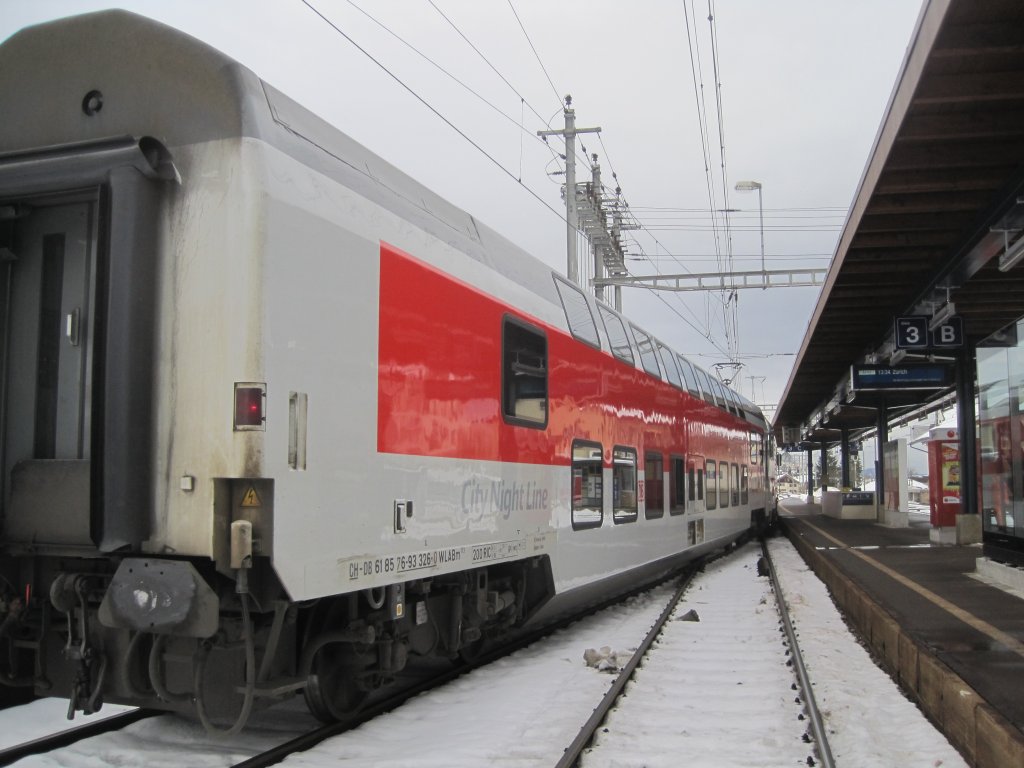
(251, 498)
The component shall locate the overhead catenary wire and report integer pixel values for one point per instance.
(534, 49)
(732, 313)
(702, 328)
(433, 109)
(518, 123)
(693, 257)
(697, 78)
(504, 79)
(487, 61)
(617, 192)
(582, 148)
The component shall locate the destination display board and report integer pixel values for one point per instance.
(904, 376)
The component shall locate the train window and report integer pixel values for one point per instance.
(688, 375)
(735, 485)
(755, 445)
(677, 485)
(744, 489)
(577, 313)
(587, 485)
(617, 336)
(711, 475)
(716, 387)
(668, 361)
(648, 358)
(654, 485)
(624, 502)
(704, 385)
(723, 484)
(524, 374)
(731, 401)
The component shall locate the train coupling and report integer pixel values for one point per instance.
(69, 595)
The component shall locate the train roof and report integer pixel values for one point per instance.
(159, 82)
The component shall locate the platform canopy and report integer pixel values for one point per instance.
(940, 206)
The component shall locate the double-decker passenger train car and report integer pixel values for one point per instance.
(276, 418)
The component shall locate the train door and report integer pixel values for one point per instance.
(47, 290)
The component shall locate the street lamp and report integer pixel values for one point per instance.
(750, 186)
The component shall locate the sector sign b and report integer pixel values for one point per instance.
(950, 334)
(912, 332)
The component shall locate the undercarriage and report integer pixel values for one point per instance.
(177, 635)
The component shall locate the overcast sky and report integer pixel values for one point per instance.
(804, 85)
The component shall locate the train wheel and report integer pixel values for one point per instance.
(337, 687)
(470, 653)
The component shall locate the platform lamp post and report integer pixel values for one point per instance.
(750, 186)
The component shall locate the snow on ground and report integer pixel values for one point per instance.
(871, 724)
(519, 712)
(45, 716)
(716, 692)
(163, 741)
(522, 711)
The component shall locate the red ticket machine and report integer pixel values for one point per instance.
(944, 476)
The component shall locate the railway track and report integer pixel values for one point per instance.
(586, 735)
(315, 737)
(819, 734)
(308, 738)
(71, 736)
(530, 704)
(600, 732)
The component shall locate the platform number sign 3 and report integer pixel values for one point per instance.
(912, 332)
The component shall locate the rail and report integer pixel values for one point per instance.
(72, 735)
(373, 709)
(572, 753)
(818, 733)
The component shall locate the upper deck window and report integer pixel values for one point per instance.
(577, 313)
(688, 375)
(716, 388)
(648, 358)
(705, 385)
(617, 335)
(668, 360)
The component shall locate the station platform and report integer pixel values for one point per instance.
(952, 641)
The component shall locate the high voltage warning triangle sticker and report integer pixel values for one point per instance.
(251, 498)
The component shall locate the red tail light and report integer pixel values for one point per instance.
(249, 405)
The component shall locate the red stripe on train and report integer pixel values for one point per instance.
(439, 382)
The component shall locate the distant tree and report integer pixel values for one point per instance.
(832, 471)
